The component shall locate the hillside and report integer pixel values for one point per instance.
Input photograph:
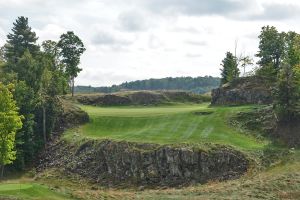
(141, 98)
(196, 85)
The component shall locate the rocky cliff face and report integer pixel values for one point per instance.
(118, 163)
(247, 90)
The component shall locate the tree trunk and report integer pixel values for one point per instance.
(73, 82)
(44, 126)
(2, 172)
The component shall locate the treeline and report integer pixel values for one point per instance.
(197, 85)
(31, 78)
(279, 65)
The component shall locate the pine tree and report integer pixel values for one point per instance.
(21, 39)
(287, 95)
(230, 69)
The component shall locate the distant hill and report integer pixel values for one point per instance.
(196, 85)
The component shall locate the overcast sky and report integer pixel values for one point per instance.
(139, 39)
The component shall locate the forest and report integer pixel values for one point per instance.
(196, 85)
(32, 77)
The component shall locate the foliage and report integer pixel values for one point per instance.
(271, 47)
(39, 75)
(245, 61)
(287, 94)
(195, 85)
(287, 88)
(230, 69)
(21, 39)
(10, 122)
(71, 48)
(25, 143)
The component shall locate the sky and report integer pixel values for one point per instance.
(130, 40)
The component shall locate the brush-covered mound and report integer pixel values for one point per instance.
(141, 98)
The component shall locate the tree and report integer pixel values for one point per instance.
(287, 95)
(10, 122)
(51, 50)
(30, 70)
(25, 138)
(59, 83)
(230, 69)
(271, 47)
(71, 48)
(245, 61)
(21, 39)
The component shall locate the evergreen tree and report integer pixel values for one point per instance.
(230, 68)
(21, 39)
(287, 95)
(25, 138)
(30, 70)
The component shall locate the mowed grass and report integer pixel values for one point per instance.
(184, 123)
(29, 191)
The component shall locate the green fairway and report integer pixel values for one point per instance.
(29, 191)
(165, 124)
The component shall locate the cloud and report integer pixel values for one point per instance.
(196, 43)
(191, 55)
(50, 32)
(196, 7)
(132, 21)
(108, 39)
(154, 42)
(276, 12)
(186, 30)
(107, 78)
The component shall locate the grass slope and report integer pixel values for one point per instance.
(29, 191)
(183, 123)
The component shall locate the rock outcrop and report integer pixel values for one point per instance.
(123, 163)
(246, 90)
